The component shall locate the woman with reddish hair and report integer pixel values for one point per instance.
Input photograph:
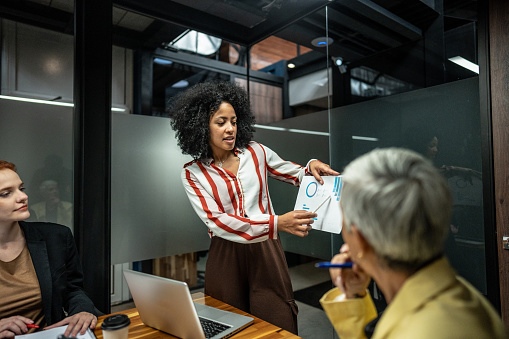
(40, 272)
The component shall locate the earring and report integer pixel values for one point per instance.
(360, 255)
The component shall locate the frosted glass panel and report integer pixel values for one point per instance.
(38, 139)
(151, 216)
(443, 124)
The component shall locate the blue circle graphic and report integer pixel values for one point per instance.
(315, 187)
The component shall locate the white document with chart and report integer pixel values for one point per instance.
(323, 200)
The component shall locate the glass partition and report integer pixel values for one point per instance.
(38, 139)
(442, 123)
(150, 213)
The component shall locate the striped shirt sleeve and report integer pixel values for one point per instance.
(283, 170)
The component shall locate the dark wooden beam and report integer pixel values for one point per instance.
(498, 15)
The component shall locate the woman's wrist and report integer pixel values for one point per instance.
(308, 165)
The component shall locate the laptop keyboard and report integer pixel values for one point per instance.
(212, 328)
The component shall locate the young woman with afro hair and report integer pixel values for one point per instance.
(227, 186)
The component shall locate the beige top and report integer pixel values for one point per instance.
(21, 293)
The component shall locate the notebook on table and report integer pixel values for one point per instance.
(166, 305)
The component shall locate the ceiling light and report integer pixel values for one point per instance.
(338, 61)
(293, 130)
(180, 84)
(465, 63)
(322, 42)
(290, 65)
(49, 102)
(162, 61)
(196, 42)
(357, 137)
(37, 101)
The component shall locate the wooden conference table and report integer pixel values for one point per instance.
(259, 329)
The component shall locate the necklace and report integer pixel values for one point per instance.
(220, 163)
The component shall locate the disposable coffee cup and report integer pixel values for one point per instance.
(116, 326)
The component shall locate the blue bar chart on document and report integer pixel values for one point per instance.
(322, 200)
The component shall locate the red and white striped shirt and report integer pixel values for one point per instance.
(238, 208)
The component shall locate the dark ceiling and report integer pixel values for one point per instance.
(388, 36)
(359, 28)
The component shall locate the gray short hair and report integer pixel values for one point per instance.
(400, 203)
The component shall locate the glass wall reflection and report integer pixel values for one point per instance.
(37, 136)
(442, 123)
(150, 213)
(38, 139)
(171, 78)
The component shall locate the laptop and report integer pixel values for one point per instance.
(166, 305)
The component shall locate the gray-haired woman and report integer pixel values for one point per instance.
(396, 212)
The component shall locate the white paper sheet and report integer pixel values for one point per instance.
(311, 195)
(54, 333)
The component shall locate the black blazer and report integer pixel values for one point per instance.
(58, 270)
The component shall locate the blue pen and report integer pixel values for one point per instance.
(327, 264)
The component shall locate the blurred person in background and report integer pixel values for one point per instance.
(52, 208)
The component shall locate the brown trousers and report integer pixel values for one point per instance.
(254, 278)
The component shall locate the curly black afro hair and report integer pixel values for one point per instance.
(191, 110)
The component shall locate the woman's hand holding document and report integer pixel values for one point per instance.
(323, 200)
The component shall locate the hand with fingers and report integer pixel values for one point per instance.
(12, 326)
(296, 222)
(352, 282)
(77, 323)
(318, 168)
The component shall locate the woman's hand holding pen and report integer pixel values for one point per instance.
(16, 325)
(296, 222)
(318, 168)
(352, 282)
